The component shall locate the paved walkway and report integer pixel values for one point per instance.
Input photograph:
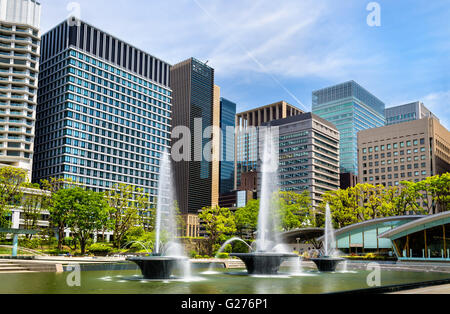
(445, 289)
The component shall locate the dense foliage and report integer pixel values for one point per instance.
(129, 214)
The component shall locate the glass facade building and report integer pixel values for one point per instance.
(351, 109)
(425, 239)
(104, 114)
(408, 112)
(247, 124)
(227, 121)
(192, 83)
(308, 155)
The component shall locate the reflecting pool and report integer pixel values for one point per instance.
(202, 281)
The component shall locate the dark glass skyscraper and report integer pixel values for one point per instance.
(227, 120)
(351, 108)
(104, 110)
(192, 83)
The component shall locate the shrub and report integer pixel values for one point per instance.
(193, 254)
(100, 248)
(239, 247)
(223, 255)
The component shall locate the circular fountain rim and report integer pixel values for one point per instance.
(327, 258)
(156, 258)
(268, 254)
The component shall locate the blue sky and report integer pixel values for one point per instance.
(264, 51)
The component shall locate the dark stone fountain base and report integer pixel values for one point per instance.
(263, 263)
(157, 267)
(327, 264)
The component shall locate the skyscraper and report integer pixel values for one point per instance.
(408, 112)
(227, 123)
(309, 155)
(196, 102)
(247, 122)
(104, 113)
(19, 67)
(351, 108)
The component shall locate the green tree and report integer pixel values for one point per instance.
(438, 188)
(405, 199)
(123, 210)
(87, 215)
(58, 214)
(146, 210)
(343, 206)
(11, 181)
(246, 219)
(295, 210)
(34, 202)
(62, 204)
(219, 224)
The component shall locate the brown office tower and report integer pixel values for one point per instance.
(409, 151)
(194, 108)
(247, 140)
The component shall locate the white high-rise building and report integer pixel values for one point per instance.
(19, 69)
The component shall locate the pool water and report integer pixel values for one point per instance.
(221, 281)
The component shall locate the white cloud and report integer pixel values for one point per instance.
(264, 42)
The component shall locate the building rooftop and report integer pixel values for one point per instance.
(268, 106)
(417, 225)
(298, 118)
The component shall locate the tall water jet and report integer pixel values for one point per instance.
(165, 209)
(329, 259)
(165, 258)
(329, 239)
(266, 260)
(267, 217)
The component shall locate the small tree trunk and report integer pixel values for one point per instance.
(83, 246)
(60, 239)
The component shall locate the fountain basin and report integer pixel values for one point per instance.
(263, 263)
(327, 264)
(158, 267)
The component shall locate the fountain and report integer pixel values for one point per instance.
(329, 260)
(267, 259)
(161, 264)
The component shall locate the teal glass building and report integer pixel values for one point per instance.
(227, 146)
(351, 108)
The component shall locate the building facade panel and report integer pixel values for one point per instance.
(247, 124)
(193, 85)
(227, 124)
(409, 151)
(98, 123)
(408, 112)
(351, 109)
(309, 155)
